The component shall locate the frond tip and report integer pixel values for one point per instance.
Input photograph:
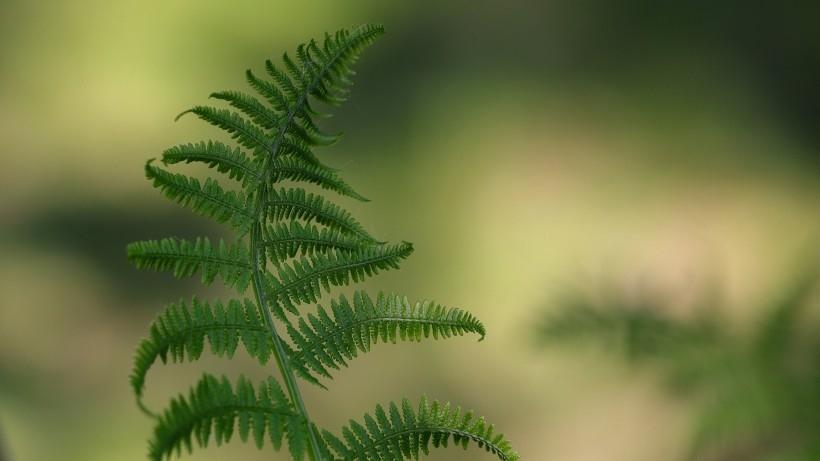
(323, 342)
(213, 408)
(398, 434)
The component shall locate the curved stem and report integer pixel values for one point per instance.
(278, 349)
(257, 252)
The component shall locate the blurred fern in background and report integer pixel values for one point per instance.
(756, 394)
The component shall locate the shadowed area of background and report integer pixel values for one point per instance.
(524, 147)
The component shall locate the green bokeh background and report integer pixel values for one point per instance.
(526, 148)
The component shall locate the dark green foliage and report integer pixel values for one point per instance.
(184, 258)
(302, 281)
(288, 204)
(215, 409)
(234, 162)
(323, 341)
(291, 247)
(758, 392)
(297, 169)
(208, 200)
(398, 434)
(284, 241)
(181, 331)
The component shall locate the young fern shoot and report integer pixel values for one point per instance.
(290, 248)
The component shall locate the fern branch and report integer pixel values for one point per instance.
(208, 200)
(180, 331)
(404, 434)
(214, 406)
(216, 155)
(296, 169)
(267, 90)
(184, 258)
(295, 148)
(282, 241)
(362, 37)
(302, 280)
(324, 342)
(242, 131)
(250, 106)
(297, 204)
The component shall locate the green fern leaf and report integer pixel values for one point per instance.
(250, 106)
(213, 408)
(180, 331)
(296, 149)
(286, 241)
(184, 258)
(324, 342)
(302, 280)
(285, 84)
(288, 204)
(267, 90)
(295, 169)
(244, 132)
(404, 434)
(312, 245)
(297, 436)
(216, 155)
(208, 200)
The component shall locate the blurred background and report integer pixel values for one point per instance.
(528, 149)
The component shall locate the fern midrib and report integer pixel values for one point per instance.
(203, 259)
(230, 161)
(345, 330)
(312, 174)
(316, 241)
(314, 452)
(435, 429)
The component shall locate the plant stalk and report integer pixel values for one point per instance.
(278, 350)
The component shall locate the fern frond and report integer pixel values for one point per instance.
(267, 90)
(398, 434)
(321, 75)
(242, 131)
(184, 258)
(302, 280)
(216, 155)
(313, 245)
(298, 150)
(181, 331)
(207, 200)
(283, 241)
(295, 169)
(323, 342)
(215, 409)
(284, 83)
(288, 204)
(250, 106)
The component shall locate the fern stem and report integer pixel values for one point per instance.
(278, 350)
(257, 253)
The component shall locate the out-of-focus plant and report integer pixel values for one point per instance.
(756, 393)
(291, 247)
